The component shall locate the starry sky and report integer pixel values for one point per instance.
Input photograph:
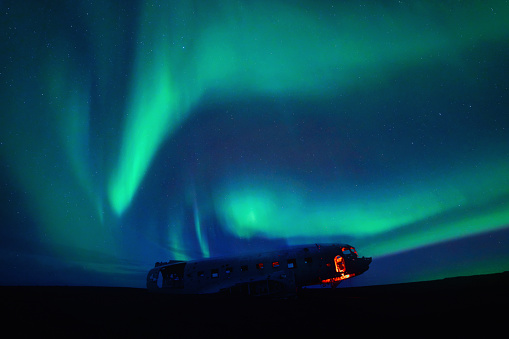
(138, 131)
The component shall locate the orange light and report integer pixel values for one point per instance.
(336, 279)
(340, 264)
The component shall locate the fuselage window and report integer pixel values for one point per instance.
(275, 264)
(259, 266)
(201, 273)
(308, 260)
(292, 263)
(228, 270)
(243, 268)
(214, 272)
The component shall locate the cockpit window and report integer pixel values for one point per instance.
(348, 250)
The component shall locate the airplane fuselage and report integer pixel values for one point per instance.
(277, 272)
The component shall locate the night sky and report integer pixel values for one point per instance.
(138, 131)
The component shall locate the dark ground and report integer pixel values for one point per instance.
(476, 306)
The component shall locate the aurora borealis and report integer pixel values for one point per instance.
(138, 131)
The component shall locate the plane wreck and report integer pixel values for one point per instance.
(281, 272)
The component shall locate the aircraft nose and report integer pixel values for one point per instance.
(358, 265)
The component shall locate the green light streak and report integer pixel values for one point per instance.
(285, 213)
(443, 230)
(175, 239)
(435, 210)
(156, 107)
(51, 166)
(69, 95)
(200, 232)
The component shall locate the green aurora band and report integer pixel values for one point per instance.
(248, 49)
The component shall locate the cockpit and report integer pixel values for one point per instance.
(348, 264)
(347, 253)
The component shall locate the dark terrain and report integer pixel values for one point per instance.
(475, 306)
